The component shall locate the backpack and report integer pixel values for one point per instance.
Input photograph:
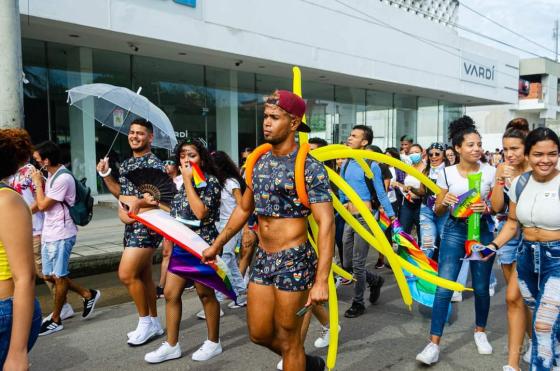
(522, 183)
(375, 204)
(82, 210)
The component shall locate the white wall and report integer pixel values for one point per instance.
(361, 38)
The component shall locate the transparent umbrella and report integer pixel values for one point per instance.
(117, 107)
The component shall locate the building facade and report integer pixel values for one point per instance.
(208, 64)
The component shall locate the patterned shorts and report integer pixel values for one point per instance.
(288, 270)
(137, 235)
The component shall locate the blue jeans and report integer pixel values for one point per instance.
(6, 315)
(538, 270)
(431, 229)
(451, 252)
(228, 256)
(410, 216)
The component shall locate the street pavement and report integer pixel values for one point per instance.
(387, 336)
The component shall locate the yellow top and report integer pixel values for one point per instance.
(5, 272)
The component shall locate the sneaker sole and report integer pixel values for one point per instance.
(52, 331)
(97, 297)
(168, 358)
(148, 340)
(206, 359)
(419, 359)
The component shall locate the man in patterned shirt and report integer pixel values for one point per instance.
(135, 269)
(286, 275)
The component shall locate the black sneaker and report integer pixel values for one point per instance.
(379, 265)
(314, 363)
(355, 310)
(89, 304)
(375, 289)
(159, 292)
(49, 326)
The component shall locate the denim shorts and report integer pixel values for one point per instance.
(6, 308)
(56, 255)
(292, 269)
(507, 254)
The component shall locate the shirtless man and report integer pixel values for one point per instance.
(286, 275)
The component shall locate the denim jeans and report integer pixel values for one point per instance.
(538, 270)
(6, 315)
(410, 216)
(229, 258)
(356, 250)
(451, 252)
(431, 229)
(339, 224)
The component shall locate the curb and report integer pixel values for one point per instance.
(102, 263)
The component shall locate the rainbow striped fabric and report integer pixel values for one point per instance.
(198, 176)
(185, 261)
(462, 209)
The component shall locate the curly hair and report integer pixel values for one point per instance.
(459, 128)
(15, 149)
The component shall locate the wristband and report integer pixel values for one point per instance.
(495, 245)
(105, 174)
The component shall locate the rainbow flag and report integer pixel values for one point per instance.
(185, 260)
(384, 221)
(462, 208)
(198, 176)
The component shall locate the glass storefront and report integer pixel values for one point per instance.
(223, 107)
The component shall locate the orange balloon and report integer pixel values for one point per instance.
(299, 170)
(252, 160)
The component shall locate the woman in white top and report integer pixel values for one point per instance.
(515, 164)
(233, 187)
(410, 210)
(534, 205)
(453, 182)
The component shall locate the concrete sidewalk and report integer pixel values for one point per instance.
(99, 244)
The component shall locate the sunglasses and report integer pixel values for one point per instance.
(169, 163)
(435, 154)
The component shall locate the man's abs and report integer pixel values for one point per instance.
(276, 234)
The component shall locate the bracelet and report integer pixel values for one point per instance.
(105, 174)
(495, 245)
(501, 183)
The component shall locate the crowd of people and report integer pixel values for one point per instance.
(253, 217)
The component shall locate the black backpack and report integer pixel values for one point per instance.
(82, 210)
(375, 204)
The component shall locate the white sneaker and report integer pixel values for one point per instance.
(429, 355)
(527, 355)
(280, 365)
(142, 335)
(240, 302)
(492, 290)
(202, 315)
(164, 353)
(323, 340)
(66, 312)
(157, 326)
(508, 368)
(482, 343)
(208, 350)
(457, 297)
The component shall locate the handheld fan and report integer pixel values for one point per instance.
(155, 182)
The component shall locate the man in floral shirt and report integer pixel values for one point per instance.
(135, 269)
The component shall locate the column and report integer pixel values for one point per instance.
(11, 93)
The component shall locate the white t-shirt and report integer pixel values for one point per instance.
(459, 185)
(538, 204)
(178, 180)
(228, 203)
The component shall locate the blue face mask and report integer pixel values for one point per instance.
(415, 158)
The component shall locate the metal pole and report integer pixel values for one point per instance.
(11, 73)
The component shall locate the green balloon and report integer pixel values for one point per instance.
(473, 223)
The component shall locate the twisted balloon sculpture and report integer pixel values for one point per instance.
(373, 234)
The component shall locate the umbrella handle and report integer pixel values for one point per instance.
(139, 90)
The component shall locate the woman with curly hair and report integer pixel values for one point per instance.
(20, 314)
(453, 182)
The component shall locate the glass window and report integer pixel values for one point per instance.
(350, 109)
(35, 90)
(405, 116)
(247, 102)
(428, 116)
(448, 112)
(320, 109)
(379, 115)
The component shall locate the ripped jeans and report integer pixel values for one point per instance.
(538, 270)
(431, 229)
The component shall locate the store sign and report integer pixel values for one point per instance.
(478, 69)
(191, 3)
(181, 134)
